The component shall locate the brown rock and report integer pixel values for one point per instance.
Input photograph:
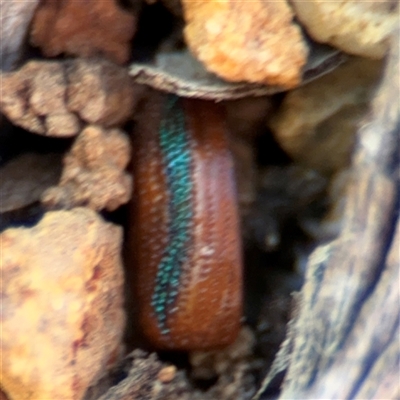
(316, 123)
(246, 41)
(34, 93)
(100, 92)
(94, 172)
(358, 27)
(88, 28)
(62, 315)
(48, 97)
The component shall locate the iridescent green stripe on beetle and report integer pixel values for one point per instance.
(177, 161)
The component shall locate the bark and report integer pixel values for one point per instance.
(343, 342)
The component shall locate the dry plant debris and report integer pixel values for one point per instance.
(62, 281)
(181, 73)
(316, 123)
(94, 172)
(231, 366)
(330, 226)
(356, 26)
(26, 177)
(242, 41)
(143, 381)
(83, 28)
(148, 378)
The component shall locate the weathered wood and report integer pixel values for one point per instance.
(343, 342)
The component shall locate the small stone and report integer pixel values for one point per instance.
(62, 305)
(94, 172)
(167, 374)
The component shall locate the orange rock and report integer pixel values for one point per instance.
(62, 305)
(248, 41)
(85, 28)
